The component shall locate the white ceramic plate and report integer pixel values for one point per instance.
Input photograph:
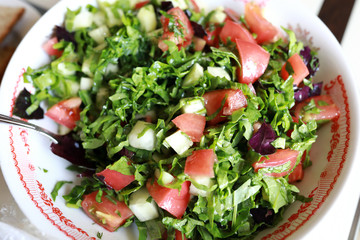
(9, 211)
(27, 154)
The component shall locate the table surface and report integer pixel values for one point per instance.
(346, 31)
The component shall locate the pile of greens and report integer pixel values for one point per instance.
(133, 79)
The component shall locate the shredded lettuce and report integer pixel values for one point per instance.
(132, 78)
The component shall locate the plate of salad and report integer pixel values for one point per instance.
(178, 120)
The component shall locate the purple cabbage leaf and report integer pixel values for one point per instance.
(262, 139)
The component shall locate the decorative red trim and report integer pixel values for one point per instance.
(44, 199)
(296, 220)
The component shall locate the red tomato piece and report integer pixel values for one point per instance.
(280, 157)
(299, 68)
(234, 101)
(169, 199)
(231, 14)
(265, 31)
(297, 174)
(182, 23)
(192, 124)
(252, 89)
(115, 179)
(107, 214)
(179, 235)
(49, 47)
(327, 112)
(212, 38)
(254, 61)
(66, 112)
(233, 31)
(141, 4)
(200, 163)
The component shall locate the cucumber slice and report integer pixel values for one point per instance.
(178, 141)
(142, 136)
(218, 16)
(193, 105)
(86, 83)
(99, 18)
(99, 34)
(147, 18)
(206, 181)
(143, 209)
(218, 72)
(66, 69)
(193, 77)
(166, 177)
(111, 19)
(83, 20)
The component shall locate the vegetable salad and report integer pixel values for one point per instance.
(193, 124)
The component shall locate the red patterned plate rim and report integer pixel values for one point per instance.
(340, 139)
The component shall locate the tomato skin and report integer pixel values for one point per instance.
(141, 4)
(191, 124)
(234, 101)
(280, 157)
(265, 31)
(328, 112)
(212, 38)
(179, 235)
(235, 31)
(299, 67)
(297, 174)
(182, 23)
(201, 163)
(254, 61)
(49, 47)
(115, 179)
(169, 199)
(106, 210)
(66, 112)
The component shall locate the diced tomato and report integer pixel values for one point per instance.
(299, 68)
(212, 38)
(179, 235)
(328, 109)
(115, 179)
(107, 214)
(254, 61)
(280, 157)
(234, 101)
(192, 124)
(233, 31)
(49, 47)
(182, 23)
(66, 112)
(265, 31)
(231, 14)
(141, 4)
(200, 163)
(169, 199)
(297, 174)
